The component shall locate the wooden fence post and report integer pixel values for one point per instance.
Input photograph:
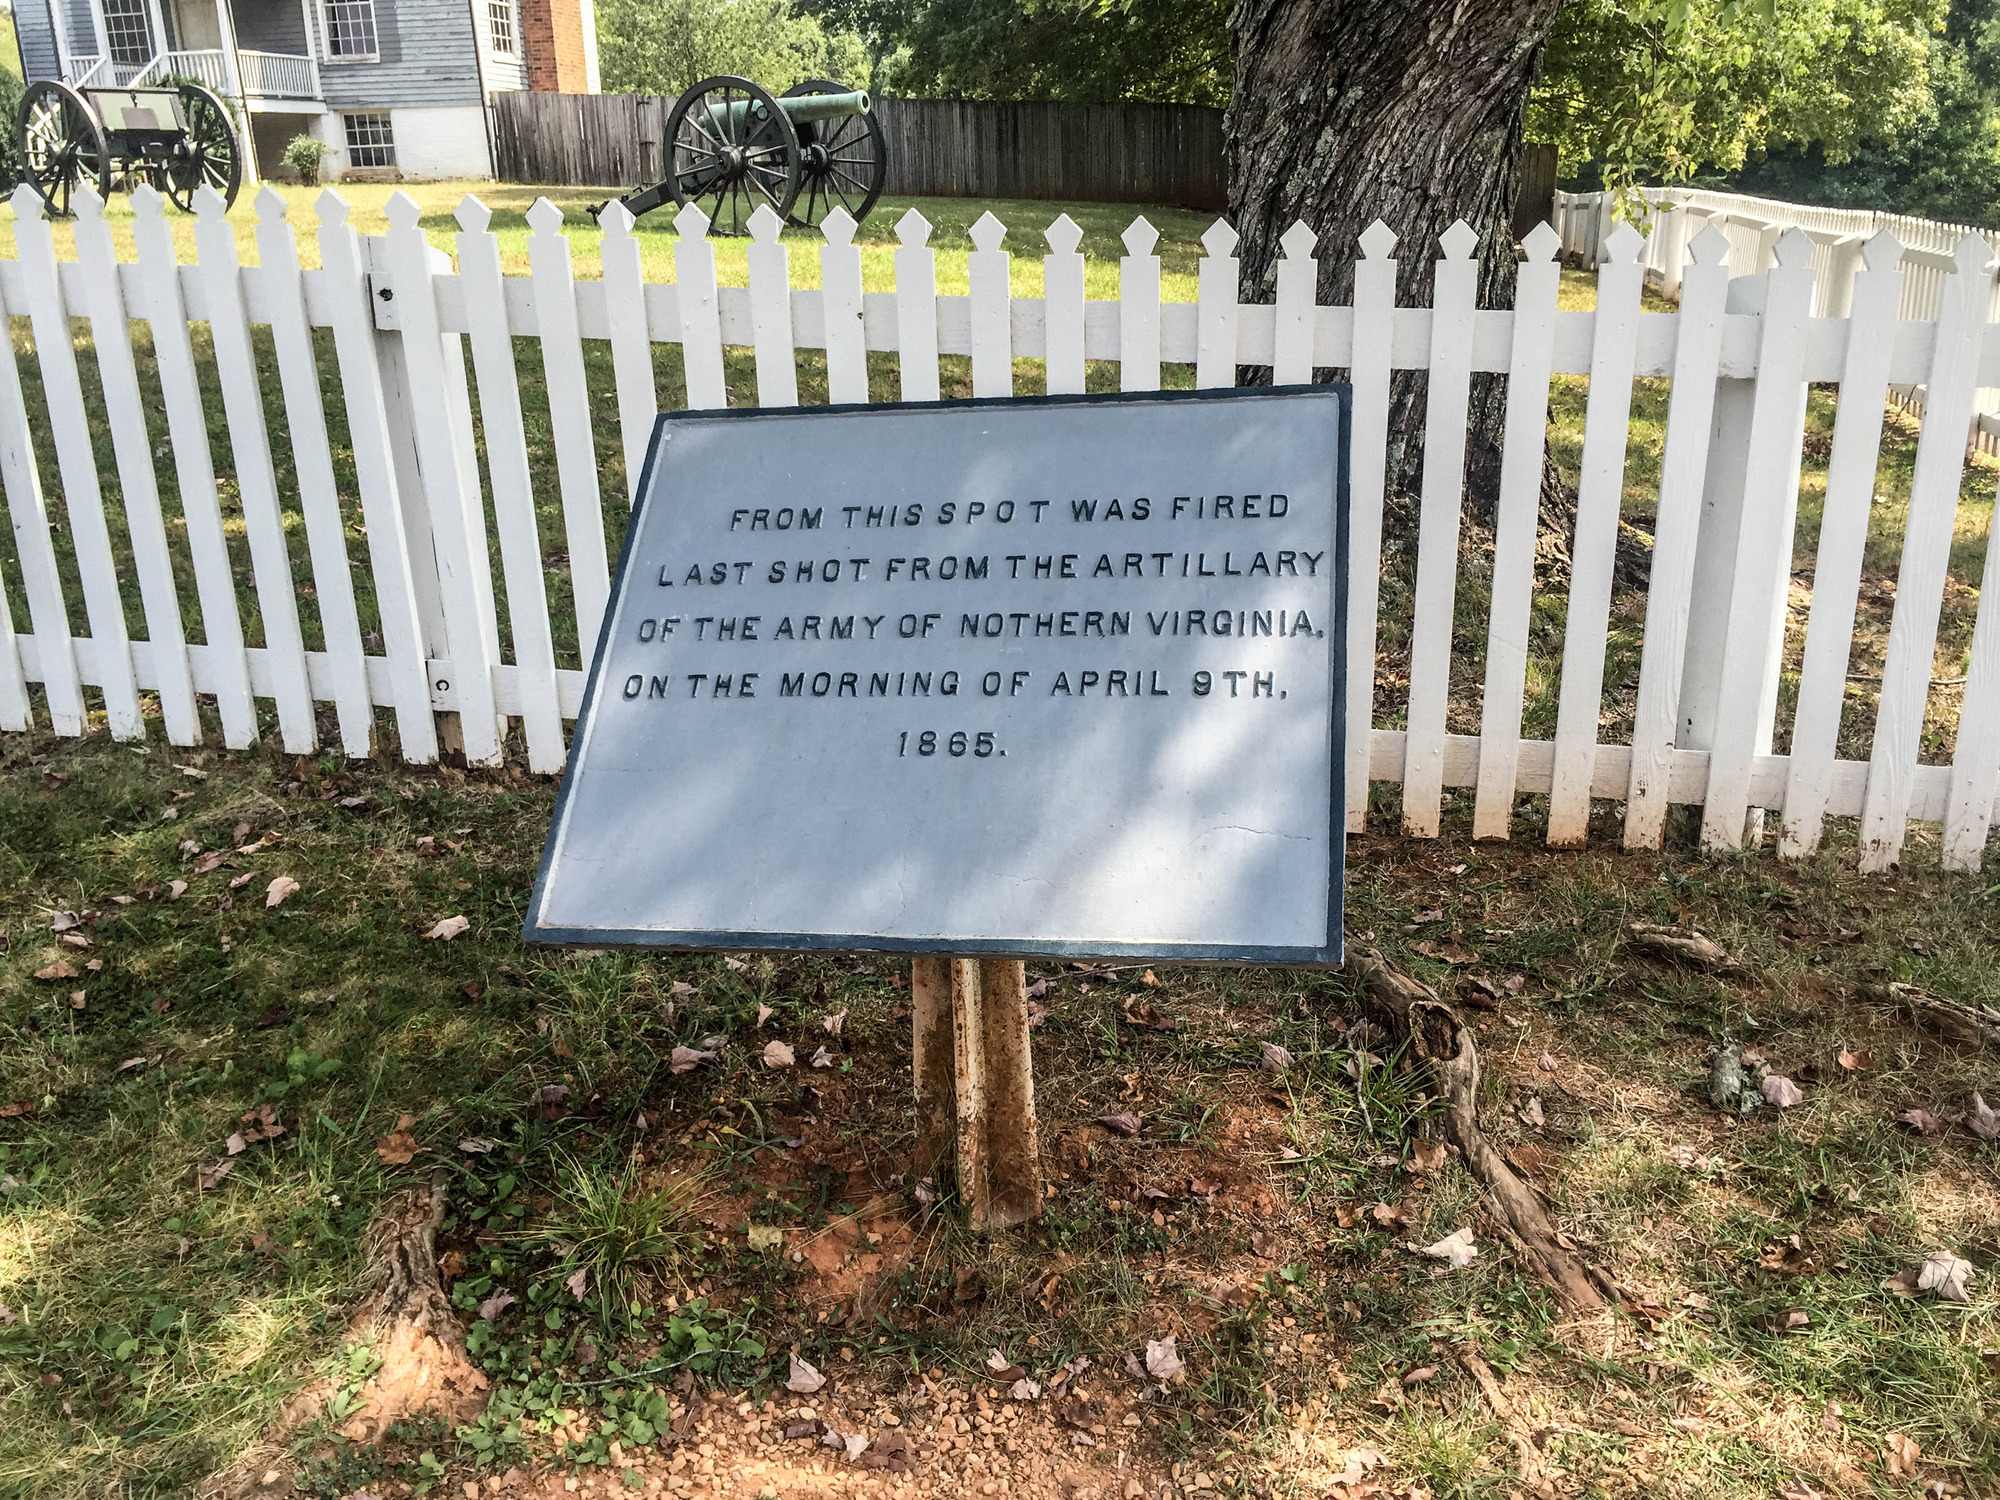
(975, 1084)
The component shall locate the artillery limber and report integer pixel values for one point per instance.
(731, 145)
(178, 137)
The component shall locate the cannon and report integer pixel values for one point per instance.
(731, 144)
(177, 137)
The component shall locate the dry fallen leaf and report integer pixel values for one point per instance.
(1419, 1375)
(1856, 1061)
(449, 928)
(682, 987)
(804, 1379)
(1531, 1112)
(823, 1059)
(687, 1059)
(1900, 1455)
(19, 1107)
(236, 1145)
(1275, 1058)
(214, 1172)
(1121, 1124)
(1981, 1120)
(1426, 1156)
(1163, 1361)
(277, 890)
(779, 1055)
(1455, 1249)
(495, 1305)
(1780, 1092)
(834, 1022)
(396, 1148)
(475, 1145)
(1547, 1063)
(56, 970)
(1798, 1489)
(1945, 1274)
(577, 1282)
(764, 1013)
(1920, 1120)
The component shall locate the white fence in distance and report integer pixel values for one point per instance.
(1739, 353)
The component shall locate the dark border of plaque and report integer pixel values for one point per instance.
(677, 940)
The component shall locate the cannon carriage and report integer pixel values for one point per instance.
(177, 137)
(731, 145)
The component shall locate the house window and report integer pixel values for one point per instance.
(350, 29)
(370, 141)
(126, 30)
(500, 23)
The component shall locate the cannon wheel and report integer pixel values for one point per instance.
(209, 156)
(842, 161)
(729, 148)
(62, 145)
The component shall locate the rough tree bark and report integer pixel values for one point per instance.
(1346, 111)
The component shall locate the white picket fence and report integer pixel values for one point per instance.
(1739, 354)
(1753, 226)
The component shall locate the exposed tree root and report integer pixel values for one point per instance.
(1694, 949)
(1444, 1044)
(1976, 1026)
(416, 1334)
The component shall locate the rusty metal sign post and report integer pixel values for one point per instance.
(976, 1084)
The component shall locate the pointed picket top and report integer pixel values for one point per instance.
(1623, 244)
(403, 212)
(1794, 250)
(544, 217)
(691, 223)
(1378, 241)
(472, 215)
(1140, 237)
(88, 204)
(914, 230)
(616, 220)
(1064, 235)
(1459, 241)
(838, 227)
(27, 202)
(208, 203)
(1299, 241)
(272, 205)
(1710, 247)
(1221, 239)
(331, 207)
(1883, 252)
(148, 202)
(765, 224)
(987, 233)
(1542, 242)
(1972, 254)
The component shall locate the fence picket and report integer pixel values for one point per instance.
(989, 271)
(1600, 489)
(916, 308)
(1139, 309)
(1843, 541)
(1517, 519)
(569, 418)
(409, 260)
(631, 337)
(513, 490)
(1758, 596)
(842, 303)
(1975, 765)
(41, 582)
(1445, 414)
(256, 478)
(1062, 307)
(312, 458)
(1218, 280)
(1927, 539)
(194, 469)
(389, 560)
(1676, 529)
(1298, 310)
(1367, 468)
(700, 310)
(771, 310)
(69, 424)
(132, 447)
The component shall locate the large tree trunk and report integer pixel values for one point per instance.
(1348, 111)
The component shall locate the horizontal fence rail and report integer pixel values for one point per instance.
(441, 598)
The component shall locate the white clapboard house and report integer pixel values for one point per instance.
(398, 88)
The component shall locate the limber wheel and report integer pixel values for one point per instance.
(842, 161)
(209, 155)
(729, 148)
(62, 145)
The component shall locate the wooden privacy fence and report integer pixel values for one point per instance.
(1101, 153)
(1739, 354)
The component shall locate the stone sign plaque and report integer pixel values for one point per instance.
(1055, 676)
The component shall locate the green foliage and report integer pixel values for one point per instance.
(663, 46)
(1659, 89)
(11, 89)
(303, 154)
(1947, 166)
